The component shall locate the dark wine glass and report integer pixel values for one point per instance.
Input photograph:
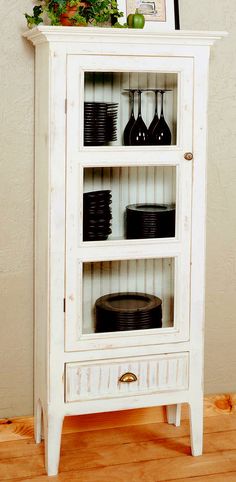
(139, 131)
(155, 119)
(161, 135)
(131, 120)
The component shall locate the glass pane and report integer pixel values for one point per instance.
(147, 301)
(129, 202)
(114, 101)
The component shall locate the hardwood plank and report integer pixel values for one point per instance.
(152, 471)
(222, 477)
(119, 435)
(22, 428)
(220, 404)
(119, 454)
(16, 428)
(121, 418)
(151, 451)
(138, 433)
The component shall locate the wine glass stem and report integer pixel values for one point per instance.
(162, 101)
(156, 93)
(139, 104)
(132, 103)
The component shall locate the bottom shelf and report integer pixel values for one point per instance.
(152, 283)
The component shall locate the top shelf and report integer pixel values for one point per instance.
(45, 33)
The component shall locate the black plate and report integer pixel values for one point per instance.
(128, 318)
(99, 238)
(99, 201)
(94, 209)
(128, 302)
(151, 208)
(97, 194)
(91, 211)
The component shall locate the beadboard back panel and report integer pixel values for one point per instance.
(152, 276)
(109, 87)
(99, 380)
(131, 185)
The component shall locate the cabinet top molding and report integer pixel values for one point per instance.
(42, 34)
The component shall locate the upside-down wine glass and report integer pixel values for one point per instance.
(161, 135)
(139, 131)
(131, 120)
(155, 119)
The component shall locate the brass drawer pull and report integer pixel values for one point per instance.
(128, 378)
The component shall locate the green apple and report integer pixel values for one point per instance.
(136, 20)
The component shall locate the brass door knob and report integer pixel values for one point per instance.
(188, 156)
(128, 378)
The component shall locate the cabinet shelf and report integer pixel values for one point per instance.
(124, 334)
(123, 156)
(128, 249)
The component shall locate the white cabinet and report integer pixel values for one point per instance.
(77, 369)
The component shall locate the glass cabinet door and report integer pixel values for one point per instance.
(128, 203)
(111, 82)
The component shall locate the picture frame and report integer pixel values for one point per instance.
(160, 15)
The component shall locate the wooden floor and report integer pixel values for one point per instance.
(144, 452)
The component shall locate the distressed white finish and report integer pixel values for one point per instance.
(66, 357)
(101, 380)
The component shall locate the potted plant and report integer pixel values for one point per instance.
(75, 12)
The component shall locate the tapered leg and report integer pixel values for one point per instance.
(38, 422)
(52, 440)
(173, 413)
(196, 426)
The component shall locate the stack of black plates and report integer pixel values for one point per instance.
(112, 113)
(128, 311)
(150, 221)
(95, 123)
(99, 123)
(97, 215)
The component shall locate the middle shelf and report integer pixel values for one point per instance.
(128, 203)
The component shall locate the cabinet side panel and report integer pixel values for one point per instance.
(197, 304)
(41, 223)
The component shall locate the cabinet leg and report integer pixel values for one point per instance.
(173, 413)
(38, 414)
(196, 426)
(52, 440)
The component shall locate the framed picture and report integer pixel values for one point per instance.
(160, 15)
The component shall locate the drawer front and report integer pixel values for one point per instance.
(147, 375)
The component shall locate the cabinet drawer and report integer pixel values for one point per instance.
(147, 375)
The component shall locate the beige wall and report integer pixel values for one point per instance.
(16, 208)
(220, 346)
(16, 205)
